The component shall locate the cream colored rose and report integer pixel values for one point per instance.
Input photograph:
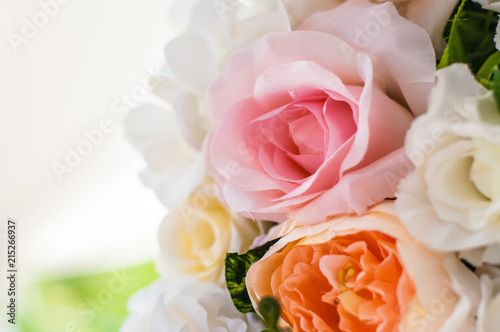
(195, 237)
(452, 200)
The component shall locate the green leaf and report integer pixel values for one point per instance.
(488, 68)
(270, 309)
(454, 51)
(495, 86)
(470, 36)
(236, 268)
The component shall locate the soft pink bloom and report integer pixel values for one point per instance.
(312, 122)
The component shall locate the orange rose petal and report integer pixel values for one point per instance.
(349, 283)
(351, 301)
(351, 323)
(367, 311)
(329, 267)
(405, 291)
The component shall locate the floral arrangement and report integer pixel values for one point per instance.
(328, 165)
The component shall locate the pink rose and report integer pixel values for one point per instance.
(312, 122)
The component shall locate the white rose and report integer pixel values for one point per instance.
(184, 305)
(452, 200)
(174, 168)
(195, 237)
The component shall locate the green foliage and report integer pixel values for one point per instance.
(270, 309)
(470, 36)
(489, 76)
(495, 86)
(93, 303)
(454, 51)
(236, 268)
(485, 73)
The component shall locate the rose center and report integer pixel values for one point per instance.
(292, 142)
(355, 282)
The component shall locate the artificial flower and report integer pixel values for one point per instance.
(309, 122)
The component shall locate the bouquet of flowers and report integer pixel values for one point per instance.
(328, 165)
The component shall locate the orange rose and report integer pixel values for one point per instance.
(357, 274)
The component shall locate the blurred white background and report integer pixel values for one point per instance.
(60, 82)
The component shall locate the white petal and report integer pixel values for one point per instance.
(190, 58)
(488, 319)
(184, 305)
(497, 37)
(168, 89)
(433, 16)
(192, 119)
(155, 133)
(299, 10)
(180, 13)
(251, 22)
(466, 285)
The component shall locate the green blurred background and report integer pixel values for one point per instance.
(91, 303)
